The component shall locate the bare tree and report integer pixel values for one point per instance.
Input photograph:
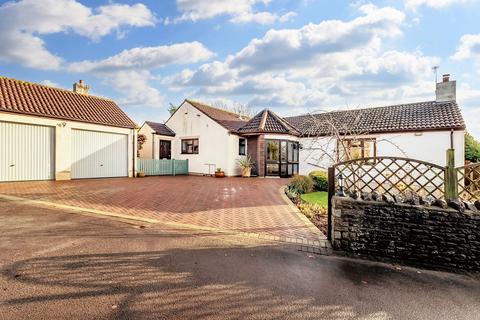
(244, 110)
(334, 138)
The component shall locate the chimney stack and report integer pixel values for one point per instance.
(81, 87)
(446, 90)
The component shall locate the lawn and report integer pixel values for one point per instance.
(320, 197)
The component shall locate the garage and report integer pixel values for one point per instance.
(27, 152)
(49, 133)
(99, 154)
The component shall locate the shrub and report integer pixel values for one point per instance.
(320, 180)
(310, 210)
(301, 184)
(472, 148)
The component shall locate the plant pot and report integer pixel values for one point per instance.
(219, 174)
(141, 174)
(246, 172)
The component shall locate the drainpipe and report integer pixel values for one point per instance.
(451, 138)
(153, 145)
(134, 154)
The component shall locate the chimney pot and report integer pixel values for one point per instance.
(446, 77)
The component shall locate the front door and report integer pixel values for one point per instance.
(165, 149)
(281, 158)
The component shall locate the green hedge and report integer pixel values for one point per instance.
(320, 180)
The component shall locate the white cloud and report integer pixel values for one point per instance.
(301, 46)
(240, 11)
(319, 65)
(22, 23)
(134, 87)
(129, 72)
(468, 48)
(436, 4)
(147, 58)
(49, 83)
(263, 17)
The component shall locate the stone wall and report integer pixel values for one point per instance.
(412, 234)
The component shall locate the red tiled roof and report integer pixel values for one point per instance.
(229, 120)
(267, 121)
(160, 128)
(34, 99)
(419, 116)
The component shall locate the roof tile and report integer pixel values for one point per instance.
(430, 115)
(161, 128)
(229, 120)
(267, 121)
(39, 100)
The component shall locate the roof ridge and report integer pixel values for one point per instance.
(283, 122)
(263, 121)
(216, 108)
(377, 107)
(147, 121)
(55, 88)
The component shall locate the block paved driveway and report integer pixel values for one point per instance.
(246, 205)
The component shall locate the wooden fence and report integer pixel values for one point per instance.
(164, 167)
(395, 175)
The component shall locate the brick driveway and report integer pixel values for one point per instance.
(246, 205)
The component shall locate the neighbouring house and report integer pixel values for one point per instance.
(210, 137)
(160, 139)
(48, 133)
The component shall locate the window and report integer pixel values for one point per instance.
(189, 146)
(357, 149)
(272, 150)
(242, 146)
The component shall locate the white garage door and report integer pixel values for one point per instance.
(99, 154)
(27, 152)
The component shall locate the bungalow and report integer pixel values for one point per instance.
(55, 134)
(211, 137)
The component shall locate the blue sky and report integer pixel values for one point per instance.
(288, 55)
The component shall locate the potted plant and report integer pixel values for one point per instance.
(246, 164)
(219, 173)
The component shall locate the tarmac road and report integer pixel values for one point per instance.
(58, 265)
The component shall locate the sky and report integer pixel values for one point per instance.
(292, 56)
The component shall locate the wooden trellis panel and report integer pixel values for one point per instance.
(469, 181)
(392, 175)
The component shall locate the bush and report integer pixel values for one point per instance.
(320, 180)
(300, 185)
(472, 148)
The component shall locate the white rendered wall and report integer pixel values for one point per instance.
(151, 147)
(427, 146)
(233, 149)
(63, 138)
(146, 151)
(214, 140)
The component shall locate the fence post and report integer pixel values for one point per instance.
(451, 183)
(331, 193)
(173, 165)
